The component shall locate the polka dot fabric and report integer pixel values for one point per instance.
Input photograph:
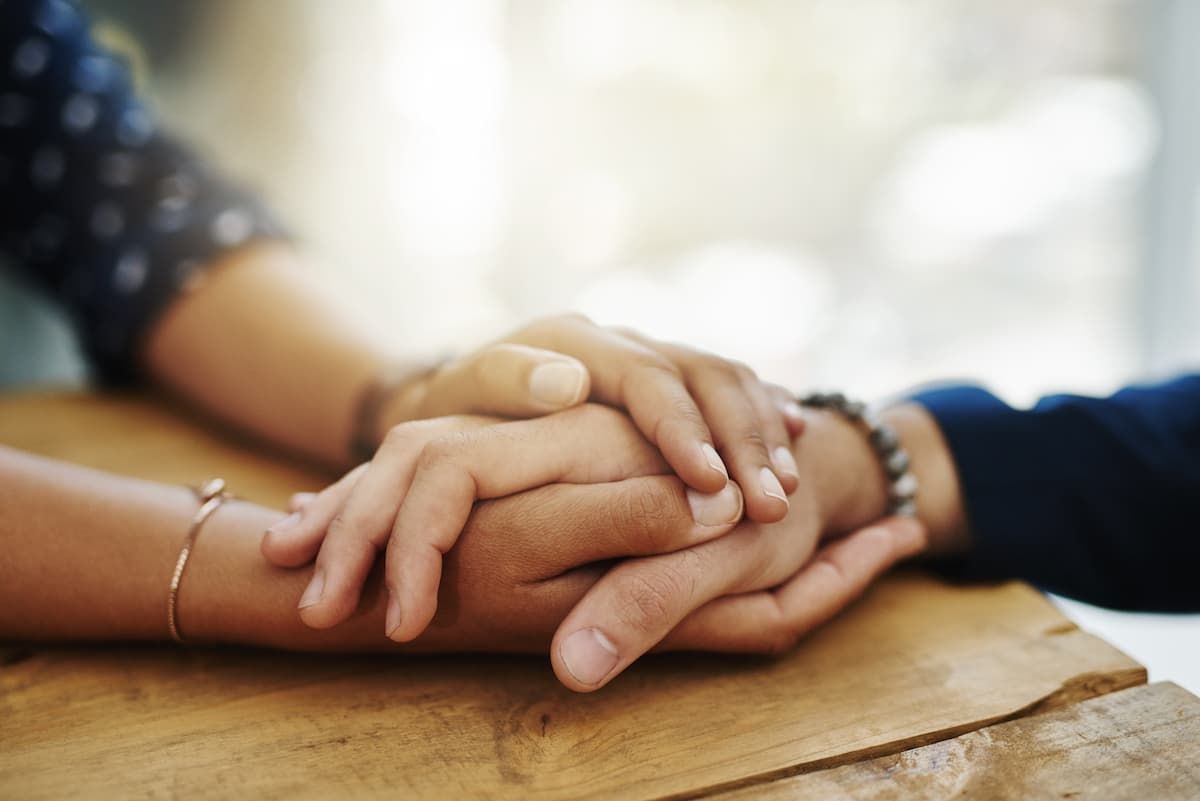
(97, 205)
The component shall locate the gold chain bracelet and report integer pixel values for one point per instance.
(211, 495)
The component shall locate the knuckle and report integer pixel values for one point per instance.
(409, 436)
(751, 438)
(744, 371)
(627, 333)
(684, 408)
(400, 437)
(341, 528)
(721, 365)
(480, 366)
(597, 416)
(644, 513)
(762, 565)
(443, 448)
(828, 571)
(648, 370)
(780, 639)
(650, 362)
(648, 598)
(556, 323)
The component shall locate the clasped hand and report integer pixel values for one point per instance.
(605, 533)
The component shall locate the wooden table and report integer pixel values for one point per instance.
(920, 690)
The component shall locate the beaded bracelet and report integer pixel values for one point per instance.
(902, 484)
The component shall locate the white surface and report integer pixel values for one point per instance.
(1168, 645)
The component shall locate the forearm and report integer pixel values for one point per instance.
(262, 345)
(86, 555)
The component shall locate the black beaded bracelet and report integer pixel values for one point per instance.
(902, 484)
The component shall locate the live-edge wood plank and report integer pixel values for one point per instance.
(915, 661)
(1140, 743)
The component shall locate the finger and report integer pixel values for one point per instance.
(738, 432)
(565, 526)
(629, 375)
(364, 520)
(507, 380)
(295, 540)
(774, 431)
(489, 463)
(773, 621)
(640, 601)
(778, 416)
(300, 500)
(749, 432)
(793, 414)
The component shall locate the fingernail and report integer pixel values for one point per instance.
(588, 655)
(785, 462)
(393, 617)
(771, 485)
(286, 525)
(714, 461)
(717, 509)
(793, 410)
(314, 591)
(556, 383)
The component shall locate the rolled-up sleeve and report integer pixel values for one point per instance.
(98, 206)
(1093, 498)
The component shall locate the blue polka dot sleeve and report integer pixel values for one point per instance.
(97, 206)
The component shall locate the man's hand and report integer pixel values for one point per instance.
(526, 562)
(415, 496)
(758, 588)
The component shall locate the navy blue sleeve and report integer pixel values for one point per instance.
(97, 206)
(1093, 498)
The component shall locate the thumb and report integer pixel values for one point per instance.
(507, 381)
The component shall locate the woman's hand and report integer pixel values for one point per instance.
(701, 411)
(415, 497)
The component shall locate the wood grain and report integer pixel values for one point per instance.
(129, 435)
(914, 662)
(1141, 743)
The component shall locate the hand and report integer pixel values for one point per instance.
(702, 412)
(772, 621)
(525, 560)
(416, 494)
(757, 588)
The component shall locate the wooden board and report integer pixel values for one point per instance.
(916, 661)
(131, 436)
(1142, 743)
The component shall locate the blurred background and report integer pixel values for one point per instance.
(862, 195)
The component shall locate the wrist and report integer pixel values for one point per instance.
(232, 595)
(392, 396)
(940, 506)
(849, 483)
(851, 486)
